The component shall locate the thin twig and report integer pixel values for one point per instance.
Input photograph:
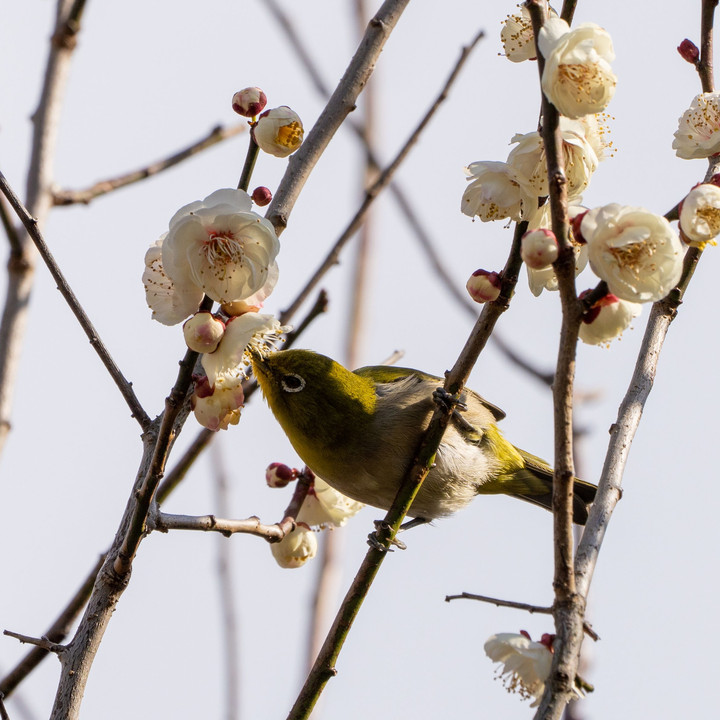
(21, 270)
(41, 642)
(340, 104)
(518, 606)
(11, 231)
(31, 225)
(382, 181)
(705, 66)
(57, 632)
(102, 187)
(3, 712)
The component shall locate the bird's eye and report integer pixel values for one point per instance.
(292, 383)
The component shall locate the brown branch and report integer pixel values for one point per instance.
(587, 628)
(31, 225)
(102, 187)
(705, 66)
(340, 104)
(57, 632)
(41, 642)
(384, 178)
(21, 269)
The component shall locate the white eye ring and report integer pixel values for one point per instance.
(296, 384)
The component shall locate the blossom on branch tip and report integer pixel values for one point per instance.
(698, 133)
(636, 252)
(296, 548)
(325, 507)
(577, 78)
(249, 102)
(700, 215)
(607, 319)
(484, 286)
(279, 131)
(496, 192)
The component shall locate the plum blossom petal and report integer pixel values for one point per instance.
(636, 252)
(607, 319)
(170, 303)
(700, 215)
(517, 35)
(577, 78)
(296, 548)
(698, 133)
(496, 192)
(325, 507)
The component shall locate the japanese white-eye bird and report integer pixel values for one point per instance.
(359, 431)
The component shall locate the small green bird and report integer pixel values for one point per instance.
(360, 430)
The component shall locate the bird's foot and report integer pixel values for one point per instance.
(452, 405)
(374, 541)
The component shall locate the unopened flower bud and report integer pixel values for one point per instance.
(203, 332)
(539, 248)
(278, 475)
(688, 51)
(484, 286)
(261, 196)
(296, 548)
(203, 388)
(575, 227)
(279, 131)
(249, 102)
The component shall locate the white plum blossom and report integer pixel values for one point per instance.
(218, 247)
(579, 156)
(700, 215)
(279, 131)
(496, 192)
(218, 407)
(325, 507)
(170, 303)
(577, 78)
(539, 248)
(243, 334)
(607, 319)
(525, 665)
(296, 548)
(698, 133)
(636, 252)
(517, 35)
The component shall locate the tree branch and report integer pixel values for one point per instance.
(102, 187)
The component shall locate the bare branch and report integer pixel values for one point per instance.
(31, 225)
(705, 66)
(216, 135)
(384, 178)
(340, 104)
(41, 642)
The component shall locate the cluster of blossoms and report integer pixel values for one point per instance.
(636, 252)
(220, 249)
(525, 665)
(324, 508)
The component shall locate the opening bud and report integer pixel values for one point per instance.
(279, 131)
(539, 248)
(278, 475)
(203, 332)
(249, 102)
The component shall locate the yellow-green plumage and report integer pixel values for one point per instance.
(360, 430)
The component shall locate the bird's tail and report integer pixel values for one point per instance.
(534, 484)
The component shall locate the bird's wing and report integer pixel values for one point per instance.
(382, 374)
